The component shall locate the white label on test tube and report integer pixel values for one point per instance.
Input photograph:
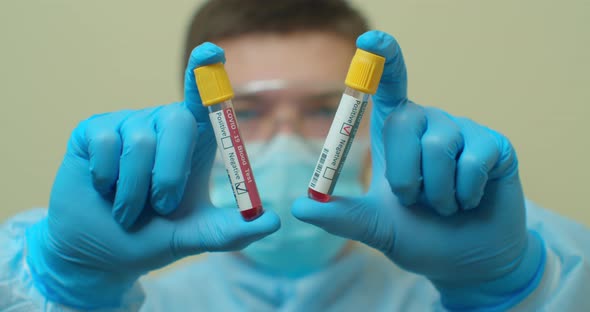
(344, 127)
(235, 158)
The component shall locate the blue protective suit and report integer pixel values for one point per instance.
(363, 279)
(486, 258)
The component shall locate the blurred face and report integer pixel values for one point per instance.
(287, 84)
(287, 91)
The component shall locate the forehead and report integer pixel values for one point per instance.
(313, 57)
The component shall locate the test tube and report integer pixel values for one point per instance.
(362, 80)
(216, 94)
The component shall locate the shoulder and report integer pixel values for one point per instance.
(567, 239)
(556, 228)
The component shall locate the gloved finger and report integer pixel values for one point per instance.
(402, 134)
(441, 144)
(204, 54)
(480, 154)
(176, 132)
(98, 140)
(104, 150)
(136, 163)
(349, 217)
(507, 164)
(392, 90)
(221, 229)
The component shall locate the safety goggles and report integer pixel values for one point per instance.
(265, 108)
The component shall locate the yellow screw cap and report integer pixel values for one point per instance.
(365, 71)
(213, 84)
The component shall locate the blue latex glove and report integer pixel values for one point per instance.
(445, 199)
(132, 195)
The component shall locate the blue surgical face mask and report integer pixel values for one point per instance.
(282, 170)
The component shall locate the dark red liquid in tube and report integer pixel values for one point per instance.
(315, 195)
(252, 213)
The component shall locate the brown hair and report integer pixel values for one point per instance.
(223, 19)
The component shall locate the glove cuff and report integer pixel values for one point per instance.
(70, 283)
(505, 292)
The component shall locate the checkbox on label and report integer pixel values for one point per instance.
(346, 129)
(329, 173)
(226, 143)
(241, 188)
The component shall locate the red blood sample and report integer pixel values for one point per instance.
(252, 213)
(315, 195)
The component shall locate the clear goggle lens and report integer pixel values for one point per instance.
(265, 108)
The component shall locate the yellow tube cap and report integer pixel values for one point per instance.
(365, 71)
(213, 84)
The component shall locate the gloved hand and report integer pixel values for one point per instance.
(132, 195)
(445, 199)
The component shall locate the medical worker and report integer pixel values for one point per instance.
(429, 212)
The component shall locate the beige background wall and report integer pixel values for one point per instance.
(518, 66)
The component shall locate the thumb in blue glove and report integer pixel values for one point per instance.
(445, 199)
(131, 196)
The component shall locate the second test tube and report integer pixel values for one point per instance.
(362, 79)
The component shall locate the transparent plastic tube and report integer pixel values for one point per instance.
(362, 80)
(338, 142)
(233, 151)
